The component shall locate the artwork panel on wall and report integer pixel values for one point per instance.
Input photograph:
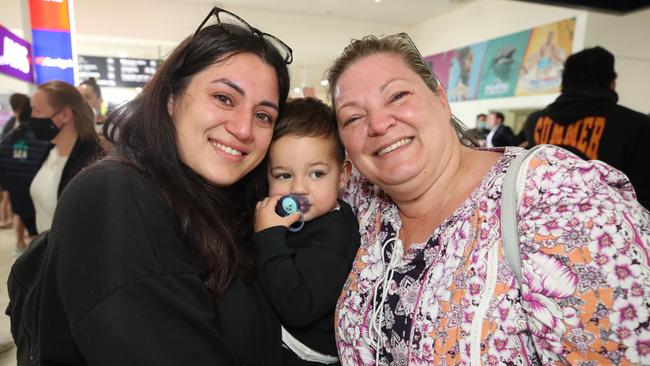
(465, 72)
(524, 63)
(501, 65)
(548, 48)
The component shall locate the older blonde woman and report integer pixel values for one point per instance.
(430, 284)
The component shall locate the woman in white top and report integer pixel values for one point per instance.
(61, 116)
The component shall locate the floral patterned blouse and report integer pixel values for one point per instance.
(454, 300)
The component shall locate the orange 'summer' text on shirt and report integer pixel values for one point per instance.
(583, 135)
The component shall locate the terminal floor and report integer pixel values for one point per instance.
(7, 245)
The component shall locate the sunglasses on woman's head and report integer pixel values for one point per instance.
(404, 36)
(224, 17)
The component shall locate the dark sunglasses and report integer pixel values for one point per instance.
(224, 17)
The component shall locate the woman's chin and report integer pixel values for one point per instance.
(402, 176)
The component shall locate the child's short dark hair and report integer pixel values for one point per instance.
(309, 117)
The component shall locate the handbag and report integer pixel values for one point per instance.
(512, 189)
(514, 182)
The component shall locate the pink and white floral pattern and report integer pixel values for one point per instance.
(584, 298)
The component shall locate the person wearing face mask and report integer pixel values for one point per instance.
(481, 131)
(61, 116)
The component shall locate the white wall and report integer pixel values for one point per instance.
(628, 38)
(10, 85)
(483, 20)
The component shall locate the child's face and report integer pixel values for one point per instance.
(307, 165)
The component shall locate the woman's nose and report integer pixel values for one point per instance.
(241, 126)
(379, 123)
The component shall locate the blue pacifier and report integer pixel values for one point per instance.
(293, 203)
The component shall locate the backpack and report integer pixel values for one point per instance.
(25, 287)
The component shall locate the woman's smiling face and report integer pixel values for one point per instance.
(224, 119)
(394, 128)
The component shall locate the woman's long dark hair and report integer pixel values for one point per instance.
(215, 223)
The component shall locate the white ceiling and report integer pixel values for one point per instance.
(316, 30)
(409, 11)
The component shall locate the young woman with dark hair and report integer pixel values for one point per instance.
(146, 259)
(92, 93)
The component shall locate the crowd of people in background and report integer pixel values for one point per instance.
(585, 119)
(167, 243)
(48, 140)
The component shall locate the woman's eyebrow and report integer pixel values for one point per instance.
(231, 84)
(242, 92)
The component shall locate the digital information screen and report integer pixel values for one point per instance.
(118, 72)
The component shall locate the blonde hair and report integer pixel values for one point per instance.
(401, 45)
(61, 95)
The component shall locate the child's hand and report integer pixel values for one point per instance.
(266, 217)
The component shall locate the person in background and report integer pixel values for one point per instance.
(500, 135)
(92, 93)
(21, 155)
(17, 101)
(481, 131)
(149, 262)
(62, 117)
(587, 120)
(430, 284)
(302, 271)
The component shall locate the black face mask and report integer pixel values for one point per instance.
(44, 128)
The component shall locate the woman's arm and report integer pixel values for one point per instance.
(128, 286)
(586, 262)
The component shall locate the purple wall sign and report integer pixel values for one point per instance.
(15, 56)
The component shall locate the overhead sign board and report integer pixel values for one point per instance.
(52, 36)
(15, 56)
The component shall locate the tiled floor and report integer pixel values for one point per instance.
(7, 243)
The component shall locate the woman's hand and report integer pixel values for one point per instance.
(266, 217)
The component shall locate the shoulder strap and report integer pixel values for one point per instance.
(513, 184)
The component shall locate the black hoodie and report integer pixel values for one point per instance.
(590, 123)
